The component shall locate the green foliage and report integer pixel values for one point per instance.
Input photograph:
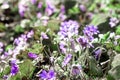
(18, 29)
(98, 19)
(94, 69)
(36, 48)
(118, 30)
(105, 37)
(117, 48)
(73, 10)
(5, 72)
(2, 27)
(114, 73)
(8, 47)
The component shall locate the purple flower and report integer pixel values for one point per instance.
(62, 46)
(44, 74)
(83, 41)
(5, 77)
(22, 9)
(47, 75)
(76, 69)
(62, 17)
(97, 53)
(40, 5)
(1, 47)
(33, 1)
(82, 8)
(50, 9)
(39, 15)
(89, 31)
(89, 15)
(20, 40)
(66, 59)
(113, 22)
(30, 34)
(62, 9)
(32, 55)
(44, 36)
(14, 68)
(1, 44)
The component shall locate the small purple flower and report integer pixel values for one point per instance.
(16, 41)
(83, 41)
(89, 15)
(47, 75)
(50, 9)
(44, 36)
(82, 8)
(62, 46)
(22, 9)
(76, 69)
(5, 77)
(97, 53)
(39, 15)
(113, 22)
(44, 74)
(14, 68)
(33, 1)
(21, 39)
(30, 34)
(40, 5)
(32, 55)
(1, 47)
(62, 17)
(66, 59)
(1, 44)
(62, 9)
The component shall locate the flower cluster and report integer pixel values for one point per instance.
(68, 30)
(20, 43)
(89, 31)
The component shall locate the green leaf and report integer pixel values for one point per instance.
(114, 73)
(98, 19)
(105, 37)
(5, 72)
(2, 27)
(74, 10)
(35, 48)
(94, 70)
(19, 29)
(8, 47)
(117, 48)
(118, 30)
